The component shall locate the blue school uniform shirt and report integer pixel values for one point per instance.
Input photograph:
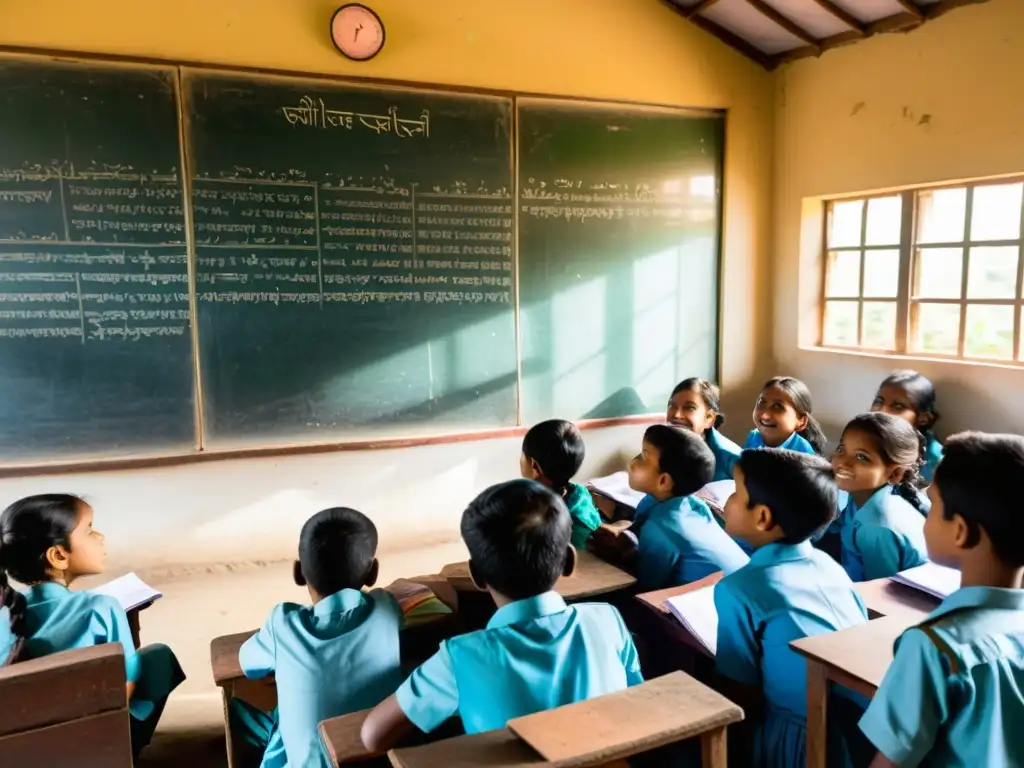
(794, 442)
(57, 619)
(681, 541)
(786, 592)
(535, 654)
(6, 636)
(954, 694)
(726, 453)
(932, 456)
(883, 537)
(336, 657)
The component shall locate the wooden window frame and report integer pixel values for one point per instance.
(906, 303)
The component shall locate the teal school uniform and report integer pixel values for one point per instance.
(954, 695)
(7, 638)
(336, 657)
(726, 453)
(535, 654)
(794, 442)
(883, 537)
(932, 456)
(786, 592)
(58, 619)
(682, 541)
(585, 517)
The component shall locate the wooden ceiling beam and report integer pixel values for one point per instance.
(732, 40)
(912, 8)
(844, 16)
(783, 21)
(693, 10)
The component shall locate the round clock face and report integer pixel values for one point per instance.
(357, 32)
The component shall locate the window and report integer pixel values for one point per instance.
(931, 272)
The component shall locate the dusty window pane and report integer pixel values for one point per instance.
(992, 273)
(881, 274)
(989, 331)
(937, 328)
(879, 325)
(938, 273)
(941, 214)
(842, 274)
(884, 221)
(844, 223)
(995, 212)
(840, 324)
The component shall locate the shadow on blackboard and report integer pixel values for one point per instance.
(625, 401)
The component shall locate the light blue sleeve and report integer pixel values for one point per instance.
(656, 558)
(430, 695)
(880, 549)
(116, 629)
(911, 704)
(630, 657)
(258, 655)
(737, 655)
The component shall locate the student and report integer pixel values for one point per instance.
(911, 396)
(694, 406)
(536, 653)
(782, 418)
(679, 540)
(12, 621)
(788, 590)
(552, 454)
(954, 694)
(48, 542)
(882, 527)
(336, 656)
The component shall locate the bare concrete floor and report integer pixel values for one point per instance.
(197, 608)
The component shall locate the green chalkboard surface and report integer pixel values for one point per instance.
(619, 212)
(355, 259)
(95, 339)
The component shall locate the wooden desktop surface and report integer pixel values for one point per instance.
(593, 577)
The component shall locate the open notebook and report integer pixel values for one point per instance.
(129, 590)
(930, 578)
(696, 611)
(616, 487)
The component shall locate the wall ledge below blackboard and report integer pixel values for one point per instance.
(122, 464)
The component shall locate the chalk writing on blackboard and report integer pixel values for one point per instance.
(313, 113)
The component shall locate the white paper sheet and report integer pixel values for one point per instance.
(696, 611)
(720, 491)
(616, 487)
(129, 590)
(930, 578)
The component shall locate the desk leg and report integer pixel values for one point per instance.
(226, 695)
(133, 624)
(817, 714)
(713, 749)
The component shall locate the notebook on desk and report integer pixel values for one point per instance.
(616, 487)
(696, 612)
(930, 578)
(129, 590)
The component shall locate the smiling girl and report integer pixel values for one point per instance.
(782, 417)
(694, 406)
(882, 530)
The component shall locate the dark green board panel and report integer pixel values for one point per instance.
(95, 336)
(355, 259)
(619, 221)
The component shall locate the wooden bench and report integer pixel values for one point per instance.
(72, 704)
(599, 732)
(417, 644)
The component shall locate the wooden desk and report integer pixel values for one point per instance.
(599, 732)
(593, 578)
(856, 658)
(883, 597)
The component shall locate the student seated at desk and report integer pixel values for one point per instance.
(694, 406)
(882, 529)
(12, 621)
(679, 538)
(48, 542)
(954, 694)
(783, 418)
(536, 653)
(552, 454)
(336, 656)
(911, 396)
(788, 590)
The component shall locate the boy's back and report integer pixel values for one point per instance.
(960, 685)
(534, 655)
(336, 657)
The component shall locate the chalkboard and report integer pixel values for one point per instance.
(95, 336)
(619, 212)
(354, 259)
